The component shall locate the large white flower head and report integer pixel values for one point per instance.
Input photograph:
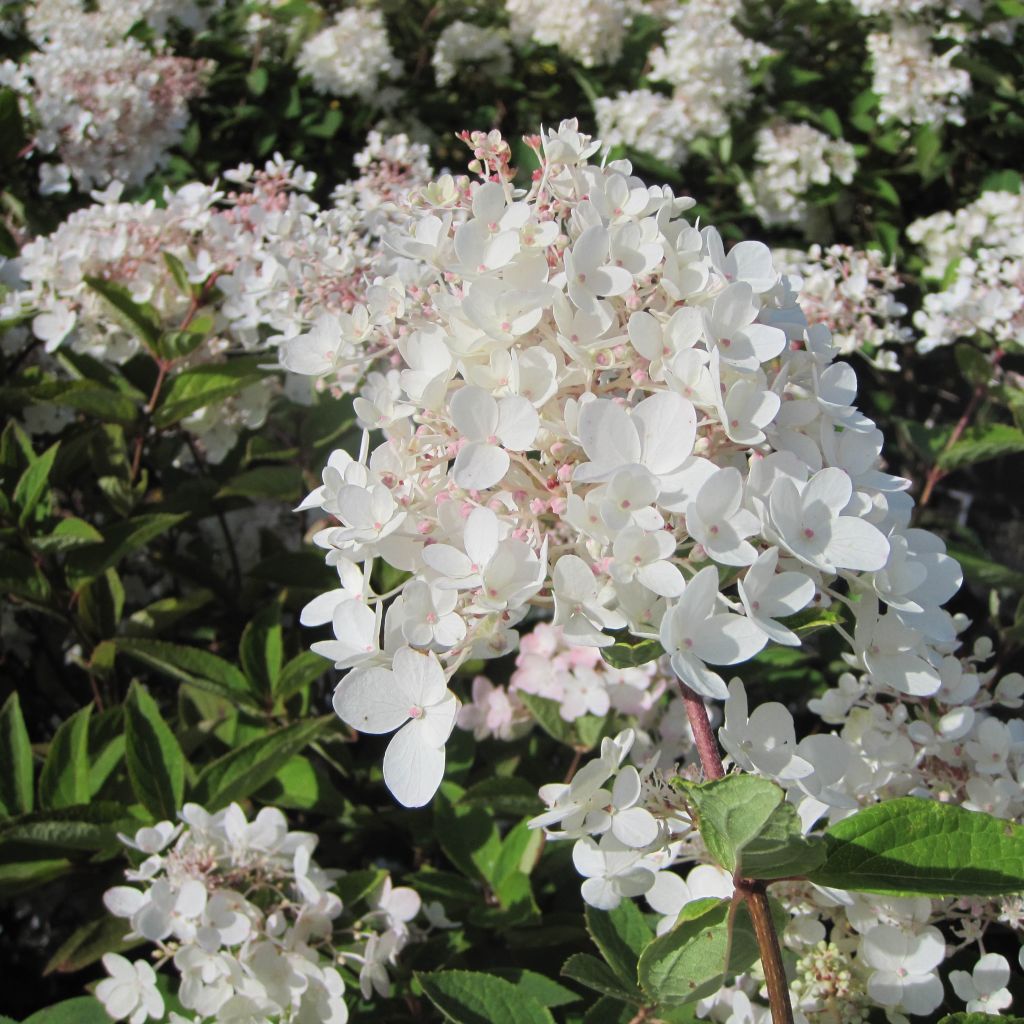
(591, 407)
(350, 56)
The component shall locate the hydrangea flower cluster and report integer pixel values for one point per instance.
(980, 247)
(351, 56)
(630, 831)
(913, 83)
(590, 31)
(109, 112)
(792, 158)
(853, 293)
(250, 923)
(463, 44)
(586, 405)
(646, 121)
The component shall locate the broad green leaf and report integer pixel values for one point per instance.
(632, 653)
(979, 444)
(621, 935)
(82, 1010)
(32, 484)
(204, 385)
(92, 826)
(991, 574)
(731, 812)
(610, 1011)
(780, 849)
(467, 834)
(156, 764)
(281, 482)
(67, 534)
(261, 650)
(539, 987)
(19, 877)
(190, 665)
(358, 885)
(504, 794)
(252, 765)
(119, 540)
(88, 943)
(106, 741)
(138, 319)
(472, 997)
(303, 785)
(597, 975)
(299, 674)
(693, 959)
(16, 774)
(96, 400)
(980, 1018)
(582, 734)
(64, 780)
(162, 614)
(916, 847)
(178, 272)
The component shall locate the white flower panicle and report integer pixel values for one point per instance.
(464, 45)
(792, 158)
(645, 121)
(351, 56)
(250, 923)
(589, 31)
(585, 405)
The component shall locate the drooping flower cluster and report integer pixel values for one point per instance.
(588, 406)
(976, 256)
(792, 158)
(853, 293)
(250, 923)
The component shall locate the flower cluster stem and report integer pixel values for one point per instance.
(754, 893)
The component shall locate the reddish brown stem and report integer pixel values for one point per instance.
(936, 473)
(753, 892)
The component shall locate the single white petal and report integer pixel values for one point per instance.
(413, 768)
(479, 466)
(368, 700)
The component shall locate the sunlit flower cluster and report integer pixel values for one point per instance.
(853, 292)
(351, 57)
(645, 121)
(589, 31)
(109, 112)
(914, 84)
(975, 255)
(250, 924)
(587, 405)
(463, 45)
(791, 159)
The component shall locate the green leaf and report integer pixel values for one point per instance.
(582, 734)
(156, 764)
(621, 935)
(64, 780)
(204, 385)
(138, 319)
(261, 650)
(539, 987)
(178, 272)
(190, 665)
(731, 812)
(980, 1018)
(92, 826)
(119, 540)
(283, 483)
(916, 847)
(96, 400)
(780, 849)
(67, 534)
(82, 1010)
(163, 614)
(979, 444)
(632, 653)
(15, 760)
(357, 885)
(693, 960)
(597, 975)
(88, 943)
(472, 997)
(252, 765)
(610, 1011)
(504, 794)
(256, 81)
(467, 834)
(32, 484)
(984, 571)
(22, 876)
(298, 675)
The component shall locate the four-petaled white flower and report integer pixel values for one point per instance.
(415, 700)
(904, 967)
(130, 992)
(984, 989)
